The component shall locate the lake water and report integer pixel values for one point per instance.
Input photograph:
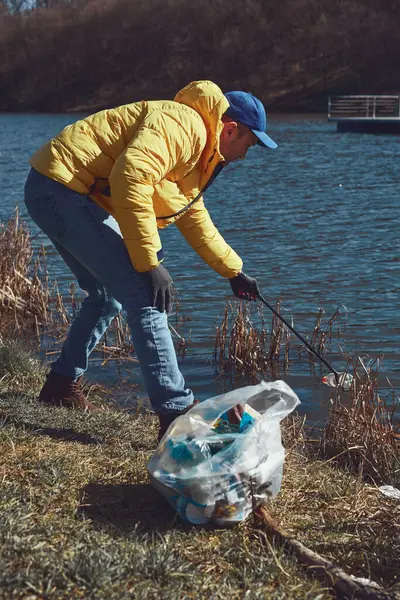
(316, 221)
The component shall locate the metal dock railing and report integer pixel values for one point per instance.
(365, 113)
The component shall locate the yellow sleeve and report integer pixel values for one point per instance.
(200, 232)
(159, 145)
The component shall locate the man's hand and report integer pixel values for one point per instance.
(244, 287)
(160, 288)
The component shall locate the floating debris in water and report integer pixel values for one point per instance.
(343, 380)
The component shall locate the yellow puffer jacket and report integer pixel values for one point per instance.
(154, 158)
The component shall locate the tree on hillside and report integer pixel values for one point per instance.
(15, 7)
(85, 55)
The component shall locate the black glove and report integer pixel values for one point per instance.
(160, 288)
(244, 287)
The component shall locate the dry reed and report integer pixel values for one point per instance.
(322, 334)
(24, 300)
(241, 349)
(361, 432)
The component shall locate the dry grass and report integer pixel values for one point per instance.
(242, 350)
(362, 432)
(79, 518)
(339, 516)
(322, 333)
(20, 368)
(24, 299)
(31, 305)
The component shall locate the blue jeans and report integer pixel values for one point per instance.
(89, 241)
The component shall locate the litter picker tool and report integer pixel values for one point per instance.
(334, 379)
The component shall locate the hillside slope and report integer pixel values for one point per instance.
(87, 55)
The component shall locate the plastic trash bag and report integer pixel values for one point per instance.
(212, 471)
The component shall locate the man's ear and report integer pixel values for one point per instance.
(231, 128)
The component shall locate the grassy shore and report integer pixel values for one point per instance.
(79, 518)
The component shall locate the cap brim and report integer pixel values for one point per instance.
(265, 140)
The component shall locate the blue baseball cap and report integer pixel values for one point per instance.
(248, 110)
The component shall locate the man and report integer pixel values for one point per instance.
(101, 189)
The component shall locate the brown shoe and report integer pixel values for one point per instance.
(167, 418)
(60, 390)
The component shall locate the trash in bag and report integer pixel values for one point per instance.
(214, 469)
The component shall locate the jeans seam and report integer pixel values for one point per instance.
(100, 315)
(98, 319)
(161, 361)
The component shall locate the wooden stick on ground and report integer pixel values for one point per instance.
(344, 585)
